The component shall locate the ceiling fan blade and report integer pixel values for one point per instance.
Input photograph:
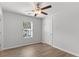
(49, 6)
(38, 4)
(29, 10)
(44, 13)
(35, 15)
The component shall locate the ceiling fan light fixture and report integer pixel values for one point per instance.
(38, 11)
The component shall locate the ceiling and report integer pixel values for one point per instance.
(24, 7)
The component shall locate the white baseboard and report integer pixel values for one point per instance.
(62, 49)
(47, 43)
(66, 51)
(19, 46)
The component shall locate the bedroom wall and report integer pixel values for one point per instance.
(47, 29)
(13, 30)
(1, 27)
(66, 27)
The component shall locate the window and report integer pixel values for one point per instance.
(27, 29)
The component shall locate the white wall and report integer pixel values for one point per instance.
(47, 30)
(13, 30)
(1, 27)
(66, 27)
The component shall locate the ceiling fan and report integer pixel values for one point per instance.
(40, 10)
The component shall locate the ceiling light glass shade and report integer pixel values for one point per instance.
(37, 11)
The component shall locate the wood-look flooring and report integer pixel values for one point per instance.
(35, 50)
